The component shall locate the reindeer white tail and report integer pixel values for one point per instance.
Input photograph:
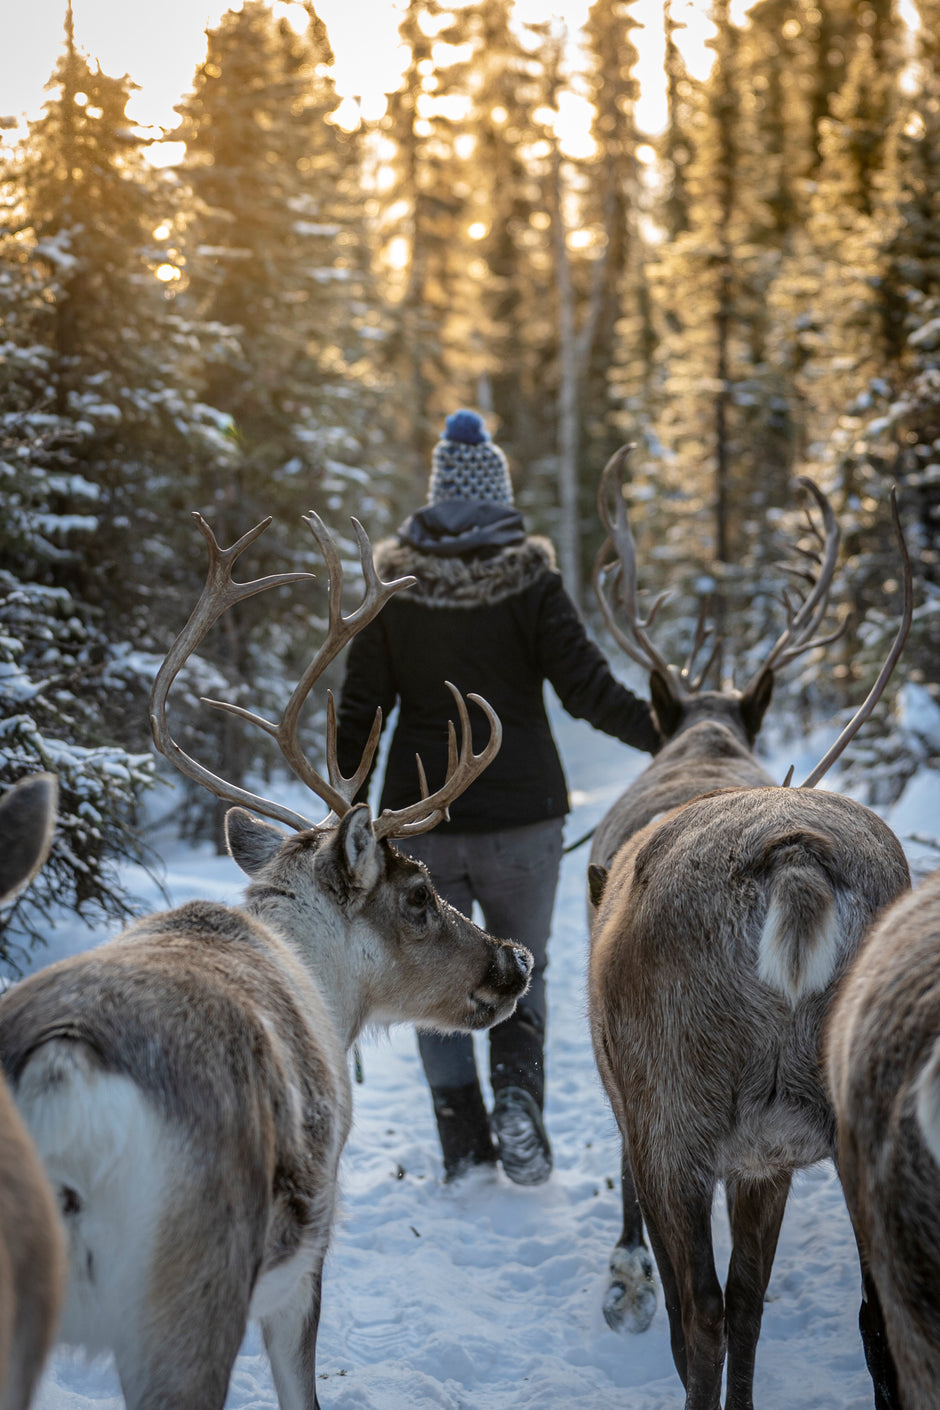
(109, 1157)
(800, 939)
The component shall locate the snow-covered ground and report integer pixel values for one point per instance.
(487, 1295)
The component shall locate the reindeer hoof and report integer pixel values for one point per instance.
(630, 1300)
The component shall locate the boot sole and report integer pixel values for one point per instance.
(524, 1151)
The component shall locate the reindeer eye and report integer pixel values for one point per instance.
(421, 896)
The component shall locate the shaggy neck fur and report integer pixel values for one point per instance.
(313, 931)
(474, 581)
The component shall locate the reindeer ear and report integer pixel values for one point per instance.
(27, 821)
(357, 852)
(597, 880)
(251, 842)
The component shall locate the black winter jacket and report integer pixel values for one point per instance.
(497, 622)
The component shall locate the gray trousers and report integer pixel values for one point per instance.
(511, 874)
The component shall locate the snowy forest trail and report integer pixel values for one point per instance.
(485, 1295)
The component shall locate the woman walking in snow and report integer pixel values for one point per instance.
(489, 613)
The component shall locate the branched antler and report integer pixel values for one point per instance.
(622, 574)
(619, 578)
(218, 595)
(462, 769)
(803, 621)
(702, 633)
(884, 675)
(337, 791)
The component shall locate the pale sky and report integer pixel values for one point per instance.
(160, 42)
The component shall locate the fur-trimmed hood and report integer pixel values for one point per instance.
(476, 580)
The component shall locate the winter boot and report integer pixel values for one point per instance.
(516, 1054)
(524, 1150)
(517, 1073)
(464, 1129)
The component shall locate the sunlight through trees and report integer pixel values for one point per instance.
(274, 308)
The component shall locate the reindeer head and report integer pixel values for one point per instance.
(367, 919)
(678, 698)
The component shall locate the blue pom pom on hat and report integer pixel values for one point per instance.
(466, 464)
(466, 426)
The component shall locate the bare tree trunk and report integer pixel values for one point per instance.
(569, 536)
(725, 112)
(574, 352)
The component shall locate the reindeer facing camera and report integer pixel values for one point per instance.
(186, 1084)
(727, 909)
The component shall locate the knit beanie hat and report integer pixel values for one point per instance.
(465, 464)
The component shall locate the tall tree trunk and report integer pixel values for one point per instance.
(725, 109)
(569, 534)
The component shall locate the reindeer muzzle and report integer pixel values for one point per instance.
(506, 979)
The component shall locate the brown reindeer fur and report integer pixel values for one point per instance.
(32, 1246)
(722, 932)
(187, 1087)
(707, 754)
(32, 1261)
(709, 738)
(883, 1063)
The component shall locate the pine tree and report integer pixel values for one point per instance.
(512, 288)
(276, 266)
(894, 422)
(836, 275)
(276, 253)
(701, 288)
(845, 316)
(85, 206)
(81, 408)
(438, 354)
(63, 683)
(676, 145)
(618, 337)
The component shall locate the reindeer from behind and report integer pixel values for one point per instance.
(720, 934)
(186, 1084)
(709, 743)
(883, 1064)
(32, 1246)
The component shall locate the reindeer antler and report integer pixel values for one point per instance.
(803, 620)
(702, 633)
(338, 792)
(634, 641)
(462, 769)
(884, 675)
(798, 636)
(219, 593)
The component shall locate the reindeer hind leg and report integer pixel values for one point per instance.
(180, 1347)
(678, 1222)
(630, 1299)
(164, 1237)
(756, 1208)
(290, 1339)
(677, 1210)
